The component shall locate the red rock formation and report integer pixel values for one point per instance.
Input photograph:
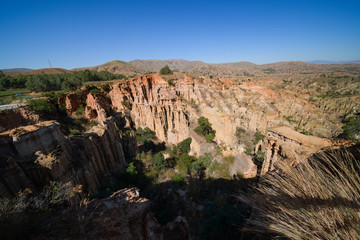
(286, 144)
(72, 103)
(154, 104)
(36, 154)
(13, 118)
(97, 108)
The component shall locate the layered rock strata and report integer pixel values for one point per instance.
(283, 143)
(32, 156)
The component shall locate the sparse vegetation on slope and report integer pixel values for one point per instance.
(40, 105)
(352, 128)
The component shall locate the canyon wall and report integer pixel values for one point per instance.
(170, 106)
(12, 118)
(32, 156)
(283, 143)
(153, 104)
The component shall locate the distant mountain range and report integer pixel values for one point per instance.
(333, 62)
(16, 69)
(232, 69)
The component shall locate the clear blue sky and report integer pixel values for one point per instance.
(87, 33)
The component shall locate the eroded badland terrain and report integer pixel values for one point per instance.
(161, 156)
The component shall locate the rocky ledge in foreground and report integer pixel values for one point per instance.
(123, 215)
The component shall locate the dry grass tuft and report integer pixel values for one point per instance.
(319, 199)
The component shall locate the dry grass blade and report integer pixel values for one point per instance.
(318, 199)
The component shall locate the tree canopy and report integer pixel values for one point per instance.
(166, 70)
(204, 128)
(54, 82)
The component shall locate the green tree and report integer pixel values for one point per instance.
(131, 169)
(178, 179)
(144, 135)
(184, 146)
(159, 161)
(184, 162)
(87, 76)
(204, 128)
(166, 70)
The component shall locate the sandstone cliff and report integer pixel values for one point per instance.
(32, 156)
(13, 118)
(283, 143)
(171, 105)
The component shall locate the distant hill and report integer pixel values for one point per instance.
(38, 71)
(244, 65)
(174, 64)
(306, 67)
(333, 62)
(116, 66)
(16, 69)
(231, 69)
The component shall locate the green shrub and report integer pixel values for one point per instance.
(180, 148)
(193, 104)
(159, 161)
(106, 87)
(259, 158)
(80, 111)
(196, 166)
(210, 137)
(202, 163)
(144, 135)
(351, 128)
(248, 150)
(258, 137)
(171, 82)
(75, 132)
(95, 91)
(131, 169)
(184, 146)
(184, 163)
(40, 105)
(205, 160)
(213, 166)
(166, 70)
(178, 179)
(204, 128)
(127, 104)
